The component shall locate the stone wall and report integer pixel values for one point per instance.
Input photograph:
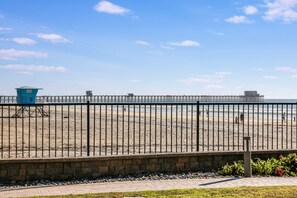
(94, 167)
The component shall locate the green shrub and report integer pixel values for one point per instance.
(279, 167)
(235, 169)
(262, 167)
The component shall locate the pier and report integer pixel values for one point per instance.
(139, 98)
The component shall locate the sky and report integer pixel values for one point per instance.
(205, 47)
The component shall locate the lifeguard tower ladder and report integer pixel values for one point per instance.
(26, 96)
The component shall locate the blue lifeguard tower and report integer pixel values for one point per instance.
(26, 97)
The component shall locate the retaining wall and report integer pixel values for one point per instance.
(94, 167)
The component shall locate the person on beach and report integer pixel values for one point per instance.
(284, 117)
(207, 112)
(236, 119)
(241, 117)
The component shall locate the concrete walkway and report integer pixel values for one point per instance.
(125, 186)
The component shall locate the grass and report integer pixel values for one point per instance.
(269, 192)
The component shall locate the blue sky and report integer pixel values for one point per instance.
(149, 47)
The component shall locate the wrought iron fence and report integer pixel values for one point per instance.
(99, 129)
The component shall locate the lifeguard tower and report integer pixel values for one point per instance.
(26, 96)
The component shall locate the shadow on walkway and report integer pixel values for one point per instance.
(221, 181)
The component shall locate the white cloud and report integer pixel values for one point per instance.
(259, 69)
(211, 79)
(186, 43)
(194, 80)
(270, 77)
(223, 74)
(134, 81)
(216, 33)
(250, 10)
(12, 54)
(237, 19)
(284, 10)
(5, 29)
(293, 76)
(166, 47)
(24, 41)
(214, 86)
(55, 38)
(33, 68)
(110, 8)
(285, 69)
(140, 42)
(26, 73)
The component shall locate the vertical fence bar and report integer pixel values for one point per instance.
(111, 131)
(197, 126)
(117, 129)
(94, 130)
(286, 120)
(74, 118)
(139, 129)
(267, 106)
(181, 128)
(16, 133)
(88, 128)
(2, 132)
(105, 125)
(49, 130)
(223, 127)
(29, 132)
(161, 122)
(218, 135)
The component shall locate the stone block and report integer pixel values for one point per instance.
(119, 170)
(12, 172)
(3, 173)
(217, 158)
(183, 159)
(22, 173)
(194, 166)
(41, 166)
(116, 163)
(151, 167)
(103, 163)
(154, 161)
(161, 161)
(194, 159)
(103, 170)
(135, 169)
(208, 164)
(171, 160)
(180, 166)
(127, 162)
(137, 161)
(86, 171)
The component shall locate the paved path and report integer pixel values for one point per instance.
(125, 186)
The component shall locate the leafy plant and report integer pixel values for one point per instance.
(235, 169)
(284, 166)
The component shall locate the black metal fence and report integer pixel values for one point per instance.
(96, 129)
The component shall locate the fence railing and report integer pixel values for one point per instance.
(138, 98)
(99, 129)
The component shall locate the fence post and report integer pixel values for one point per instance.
(88, 128)
(197, 125)
(247, 157)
